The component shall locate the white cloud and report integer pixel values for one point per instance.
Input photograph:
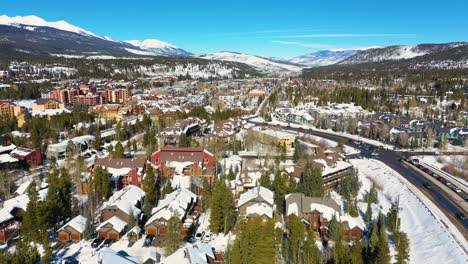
(322, 46)
(346, 35)
(305, 45)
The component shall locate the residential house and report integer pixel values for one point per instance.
(123, 171)
(188, 161)
(123, 203)
(112, 228)
(258, 201)
(180, 203)
(73, 230)
(32, 157)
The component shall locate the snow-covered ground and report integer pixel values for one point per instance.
(433, 238)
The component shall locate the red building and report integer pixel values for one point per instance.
(31, 156)
(123, 172)
(187, 161)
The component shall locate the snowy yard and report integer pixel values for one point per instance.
(432, 236)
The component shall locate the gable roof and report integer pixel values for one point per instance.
(255, 193)
(78, 223)
(125, 199)
(117, 224)
(175, 203)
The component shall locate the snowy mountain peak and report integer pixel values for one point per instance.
(39, 22)
(260, 63)
(323, 58)
(151, 44)
(157, 47)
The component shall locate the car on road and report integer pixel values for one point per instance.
(199, 236)
(148, 240)
(461, 216)
(375, 154)
(426, 170)
(96, 242)
(87, 156)
(427, 185)
(208, 236)
(414, 161)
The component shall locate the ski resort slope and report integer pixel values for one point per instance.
(433, 238)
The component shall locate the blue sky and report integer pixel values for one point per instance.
(267, 28)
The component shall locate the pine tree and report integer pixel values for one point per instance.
(132, 221)
(383, 252)
(296, 237)
(118, 151)
(311, 253)
(312, 182)
(265, 180)
(368, 213)
(333, 227)
(58, 200)
(89, 230)
(101, 183)
(174, 235)
(151, 187)
(97, 138)
(264, 250)
(402, 247)
(206, 198)
(356, 256)
(341, 254)
(298, 152)
(168, 188)
(31, 222)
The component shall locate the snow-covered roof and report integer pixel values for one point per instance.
(117, 224)
(50, 112)
(254, 193)
(181, 181)
(178, 165)
(107, 255)
(260, 209)
(23, 188)
(198, 253)
(78, 223)
(20, 201)
(6, 158)
(175, 203)
(125, 199)
(7, 148)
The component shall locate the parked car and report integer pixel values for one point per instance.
(461, 216)
(208, 236)
(375, 154)
(96, 242)
(87, 155)
(108, 242)
(426, 170)
(148, 240)
(199, 236)
(415, 161)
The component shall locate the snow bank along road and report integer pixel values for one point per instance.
(433, 239)
(391, 159)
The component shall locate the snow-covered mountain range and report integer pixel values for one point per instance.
(394, 53)
(158, 47)
(32, 34)
(323, 58)
(263, 64)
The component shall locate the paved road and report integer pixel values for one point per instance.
(391, 158)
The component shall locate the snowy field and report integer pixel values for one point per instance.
(433, 239)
